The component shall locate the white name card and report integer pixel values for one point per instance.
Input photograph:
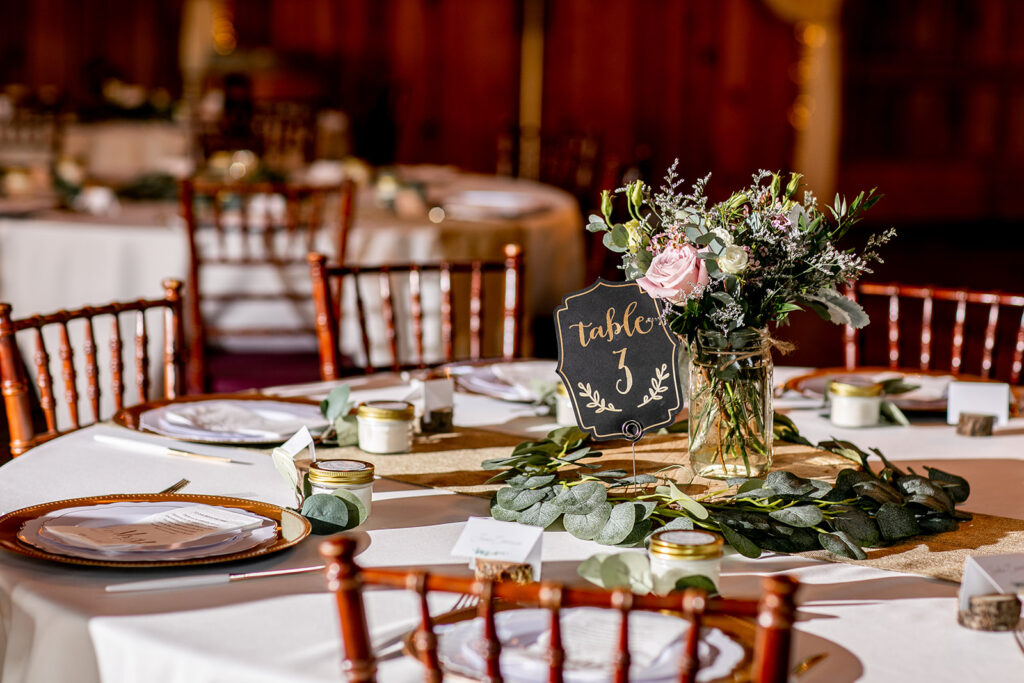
(983, 398)
(984, 574)
(299, 440)
(489, 539)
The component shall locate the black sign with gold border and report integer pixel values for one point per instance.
(617, 360)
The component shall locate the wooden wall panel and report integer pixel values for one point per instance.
(71, 45)
(703, 81)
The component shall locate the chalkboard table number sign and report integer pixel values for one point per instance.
(617, 359)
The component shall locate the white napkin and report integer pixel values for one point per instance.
(231, 418)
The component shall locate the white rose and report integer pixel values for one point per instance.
(723, 236)
(733, 260)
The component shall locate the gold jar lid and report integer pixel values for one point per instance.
(339, 472)
(561, 390)
(686, 544)
(386, 410)
(839, 388)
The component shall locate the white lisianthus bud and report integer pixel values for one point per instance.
(634, 235)
(733, 260)
(724, 236)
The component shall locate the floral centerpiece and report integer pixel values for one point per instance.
(726, 274)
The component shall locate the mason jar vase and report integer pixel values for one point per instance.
(730, 398)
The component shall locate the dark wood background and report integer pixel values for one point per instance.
(932, 113)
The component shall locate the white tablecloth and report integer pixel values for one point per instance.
(62, 260)
(58, 624)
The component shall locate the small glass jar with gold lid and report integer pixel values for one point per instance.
(854, 404)
(385, 426)
(326, 476)
(678, 553)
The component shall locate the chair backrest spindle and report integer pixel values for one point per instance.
(234, 228)
(15, 382)
(774, 614)
(400, 298)
(954, 307)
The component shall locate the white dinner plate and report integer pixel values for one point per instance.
(524, 633)
(507, 381)
(233, 421)
(474, 204)
(33, 532)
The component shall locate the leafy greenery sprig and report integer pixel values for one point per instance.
(781, 512)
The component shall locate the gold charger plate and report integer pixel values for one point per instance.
(741, 630)
(291, 528)
(131, 417)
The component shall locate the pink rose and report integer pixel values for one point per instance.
(674, 274)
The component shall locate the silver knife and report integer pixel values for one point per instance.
(204, 580)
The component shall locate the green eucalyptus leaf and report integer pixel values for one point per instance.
(787, 484)
(638, 535)
(878, 491)
(750, 485)
(285, 465)
(937, 523)
(327, 514)
(891, 412)
(527, 481)
(346, 430)
(756, 493)
(638, 480)
(839, 543)
(620, 523)
(957, 487)
(798, 515)
(518, 499)
(858, 525)
(588, 525)
(628, 570)
(357, 511)
(307, 486)
(578, 454)
(590, 568)
(740, 543)
(542, 514)
(896, 522)
(686, 502)
(644, 509)
(696, 581)
(337, 403)
(610, 474)
(503, 514)
(684, 523)
(571, 436)
(582, 498)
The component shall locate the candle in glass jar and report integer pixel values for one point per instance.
(385, 426)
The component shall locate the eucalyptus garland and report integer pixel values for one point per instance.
(553, 480)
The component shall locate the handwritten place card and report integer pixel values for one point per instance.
(985, 574)
(489, 539)
(617, 359)
(983, 398)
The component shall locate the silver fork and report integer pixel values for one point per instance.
(465, 601)
(176, 486)
(391, 647)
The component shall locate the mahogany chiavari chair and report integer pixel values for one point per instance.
(385, 300)
(247, 246)
(952, 311)
(774, 614)
(13, 377)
